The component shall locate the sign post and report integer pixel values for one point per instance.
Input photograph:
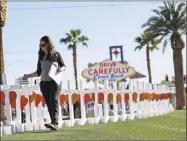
(114, 50)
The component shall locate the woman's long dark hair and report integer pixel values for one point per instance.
(50, 48)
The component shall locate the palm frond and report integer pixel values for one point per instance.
(164, 46)
(64, 40)
(141, 42)
(83, 39)
(78, 32)
(138, 39)
(156, 12)
(172, 7)
(180, 7)
(182, 14)
(75, 33)
(170, 18)
(153, 48)
(156, 41)
(183, 32)
(162, 7)
(67, 39)
(70, 46)
(73, 38)
(138, 48)
(68, 35)
(84, 44)
(150, 21)
(166, 5)
(154, 44)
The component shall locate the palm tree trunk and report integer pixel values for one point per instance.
(2, 56)
(148, 64)
(2, 107)
(75, 66)
(179, 80)
(3, 5)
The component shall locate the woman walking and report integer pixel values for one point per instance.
(49, 88)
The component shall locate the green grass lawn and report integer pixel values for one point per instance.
(167, 127)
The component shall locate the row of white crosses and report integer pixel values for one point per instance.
(143, 108)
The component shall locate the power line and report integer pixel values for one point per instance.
(20, 52)
(13, 63)
(83, 6)
(36, 51)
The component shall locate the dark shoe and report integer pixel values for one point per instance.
(51, 126)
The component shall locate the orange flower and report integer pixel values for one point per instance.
(74, 98)
(166, 96)
(158, 97)
(62, 99)
(118, 98)
(170, 95)
(154, 95)
(150, 96)
(2, 97)
(79, 98)
(142, 96)
(12, 96)
(93, 97)
(24, 102)
(38, 99)
(87, 98)
(100, 97)
(161, 96)
(110, 98)
(126, 97)
(32, 97)
(135, 96)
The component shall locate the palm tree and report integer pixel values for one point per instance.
(151, 45)
(3, 19)
(170, 21)
(73, 38)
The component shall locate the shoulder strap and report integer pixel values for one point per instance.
(56, 56)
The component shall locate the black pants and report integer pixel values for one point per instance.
(50, 90)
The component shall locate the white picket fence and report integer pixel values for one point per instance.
(35, 115)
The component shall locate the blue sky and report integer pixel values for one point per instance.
(105, 26)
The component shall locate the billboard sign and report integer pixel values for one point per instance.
(110, 70)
